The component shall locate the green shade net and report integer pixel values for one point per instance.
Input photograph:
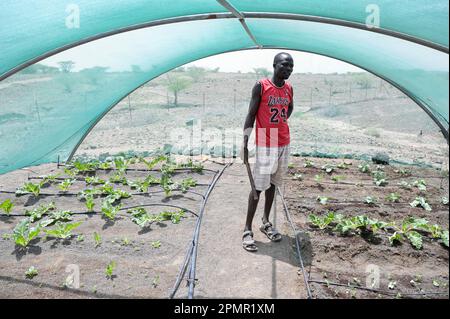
(43, 118)
(30, 28)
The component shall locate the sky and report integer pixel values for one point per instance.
(245, 61)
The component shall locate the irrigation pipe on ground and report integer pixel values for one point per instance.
(297, 243)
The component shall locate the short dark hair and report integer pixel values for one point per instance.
(277, 57)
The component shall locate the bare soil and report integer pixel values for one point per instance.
(348, 260)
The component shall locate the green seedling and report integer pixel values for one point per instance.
(31, 272)
(175, 217)
(444, 200)
(421, 185)
(118, 178)
(152, 163)
(422, 202)
(393, 197)
(23, 234)
(121, 164)
(308, 163)
(156, 244)
(187, 183)
(65, 185)
(49, 179)
(7, 206)
(37, 213)
(324, 222)
(297, 177)
(196, 167)
(328, 168)
(141, 186)
(90, 203)
(80, 238)
(29, 188)
(403, 172)
(444, 237)
(405, 185)
(71, 172)
(62, 230)
(94, 180)
(97, 239)
(155, 281)
(85, 167)
(322, 199)
(370, 200)
(110, 211)
(110, 269)
(344, 165)
(364, 168)
(318, 178)
(57, 216)
(337, 178)
(379, 178)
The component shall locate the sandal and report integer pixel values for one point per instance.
(248, 244)
(270, 232)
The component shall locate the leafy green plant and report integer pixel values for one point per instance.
(318, 178)
(393, 197)
(110, 211)
(141, 186)
(403, 172)
(49, 179)
(421, 185)
(23, 234)
(121, 163)
(379, 178)
(167, 184)
(31, 272)
(90, 203)
(344, 165)
(65, 185)
(107, 165)
(37, 213)
(370, 200)
(153, 162)
(322, 199)
(57, 216)
(328, 168)
(405, 185)
(422, 202)
(444, 200)
(118, 178)
(364, 168)
(71, 172)
(7, 206)
(297, 177)
(337, 178)
(195, 167)
(29, 188)
(156, 244)
(175, 217)
(308, 163)
(94, 180)
(324, 222)
(97, 239)
(62, 230)
(110, 269)
(187, 183)
(140, 217)
(444, 237)
(83, 167)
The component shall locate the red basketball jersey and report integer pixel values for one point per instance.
(272, 128)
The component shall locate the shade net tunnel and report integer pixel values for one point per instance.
(104, 50)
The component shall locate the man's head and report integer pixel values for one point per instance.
(283, 64)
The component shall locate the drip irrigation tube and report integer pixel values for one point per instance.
(191, 279)
(124, 208)
(288, 216)
(191, 253)
(377, 290)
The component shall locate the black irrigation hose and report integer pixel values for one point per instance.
(378, 290)
(191, 279)
(124, 208)
(192, 248)
(288, 216)
(148, 170)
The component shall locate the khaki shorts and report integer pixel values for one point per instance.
(271, 165)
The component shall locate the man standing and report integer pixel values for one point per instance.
(271, 105)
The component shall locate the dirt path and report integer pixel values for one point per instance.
(225, 269)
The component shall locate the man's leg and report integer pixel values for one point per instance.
(270, 194)
(252, 205)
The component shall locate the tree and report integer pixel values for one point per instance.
(94, 74)
(176, 84)
(66, 66)
(261, 72)
(196, 72)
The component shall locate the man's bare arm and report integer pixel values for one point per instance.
(253, 109)
(291, 105)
